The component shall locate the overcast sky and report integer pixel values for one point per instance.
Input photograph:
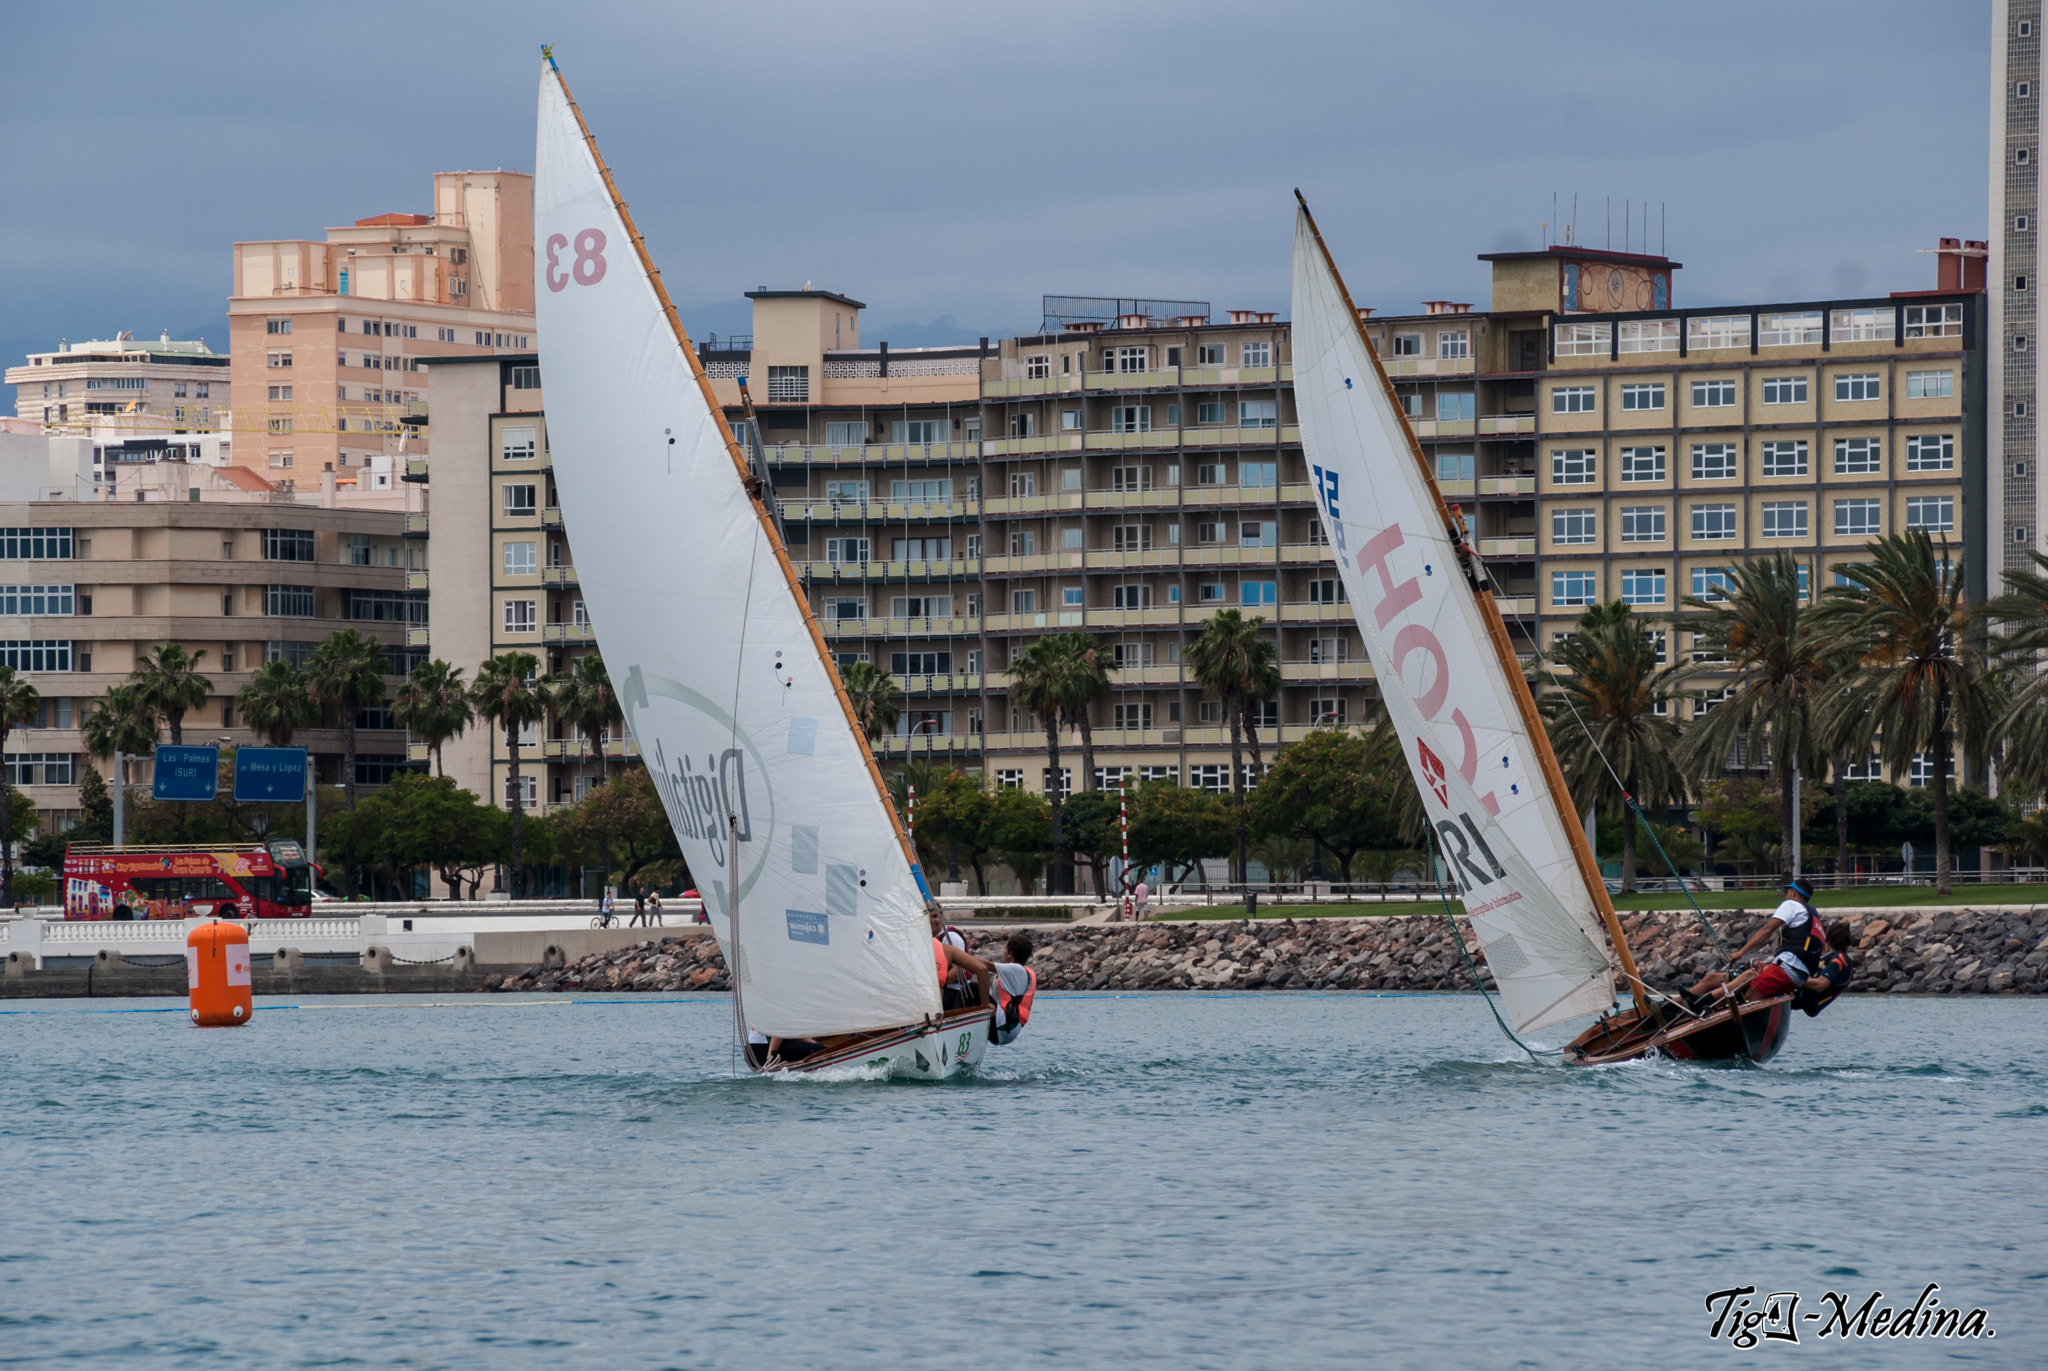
(963, 159)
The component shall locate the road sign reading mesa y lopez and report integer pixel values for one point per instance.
(186, 773)
(276, 774)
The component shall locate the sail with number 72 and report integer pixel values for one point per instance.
(1489, 787)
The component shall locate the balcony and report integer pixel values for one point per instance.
(418, 752)
(551, 517)
(1507, 485)
(1360, 670)
(930, 685)
(1456, 488)
(415, 469)
(957, 626)
(863, 512)
(1133, 618)
(831, 573)
(1516, 605)
(1496, 424)
(1429, 366)
(573, 749)
(558, 576)
(901, 745)
(884, 454)
(1314, 554)
(568, 633)
(415, 580)
(416, 525)
(416, 637)
(1507, 547)
(1312, 611)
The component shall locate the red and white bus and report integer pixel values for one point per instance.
(273, 881)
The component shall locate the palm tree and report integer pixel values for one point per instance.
(1237, 664)
(1038, 677)
(125, 724)
(507, 694)
(874, 695)
(1086, 681)
(1777, 668)
(1620, 701)
(2023, 614)
(590, 703)
(434, 705)
(19, 704)
(1921, 682)
(276, 702)
(168, 676)
(346, 675)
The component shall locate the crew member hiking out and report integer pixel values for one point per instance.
(947, 958)
(1804, 949)
(1016, 984)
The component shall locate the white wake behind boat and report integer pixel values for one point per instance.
(809, 880)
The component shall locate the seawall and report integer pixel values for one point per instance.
(1912, 951)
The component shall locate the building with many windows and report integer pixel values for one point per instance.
(330, 339)
(2016, 515)
(210, 558)
(138, 401)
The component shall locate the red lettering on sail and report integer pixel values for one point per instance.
(1469, 768)
(1416, 638)
(1433, 772)
(1373, 557)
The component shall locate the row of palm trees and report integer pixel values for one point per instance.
(1892, 661)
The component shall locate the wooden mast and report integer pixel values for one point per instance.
(791, 580)
(1497, 634)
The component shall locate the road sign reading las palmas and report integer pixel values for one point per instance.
(276, 774)
(186, 773)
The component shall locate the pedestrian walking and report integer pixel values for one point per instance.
(640, 906)
(654, 907)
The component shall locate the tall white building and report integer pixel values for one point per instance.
(2016, 518)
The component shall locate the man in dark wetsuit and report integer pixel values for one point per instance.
(1833, 977)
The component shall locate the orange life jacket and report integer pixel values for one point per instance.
(939, 953)
(1012, 1011)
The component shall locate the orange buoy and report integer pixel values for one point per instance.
(217, 970)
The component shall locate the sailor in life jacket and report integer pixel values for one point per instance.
(1800, 944)
(1836, 971)
(951, 936)
(947, 959)
(1016, 984)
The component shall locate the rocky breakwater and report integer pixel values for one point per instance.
(1939, 952)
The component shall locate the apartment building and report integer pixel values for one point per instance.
(330, 339)
(1602, 444)
(2016, 516)
(207, 557)
(139, 401)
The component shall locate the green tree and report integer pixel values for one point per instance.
(1020, 833)
(95, 809)
(1920, 684)
(433, 705)
(958, 815)
(1775, 672)
(1038, 677)
(2026, 840)
(276, 702)
(1238, 666)
(876, 698)
(1742, 817)
(586, 700)
(1336, 790)
(123, 724)
(19, 705)
(419, 821)
(925, 776)
(1612, 716)
(1084, 682)
(169, 680)
(1174, 828)
(507, 694)
(623, 822)
(346, 675)
(1094, 834)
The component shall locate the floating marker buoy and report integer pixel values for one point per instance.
(217, 971)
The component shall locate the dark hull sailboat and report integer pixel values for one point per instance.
(1741, 1031)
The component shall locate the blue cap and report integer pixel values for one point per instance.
(1799, 886)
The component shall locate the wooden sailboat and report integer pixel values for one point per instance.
(812, 888)
(1457, 696)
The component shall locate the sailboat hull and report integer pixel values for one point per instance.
(1751, 1031)
(955, 1042)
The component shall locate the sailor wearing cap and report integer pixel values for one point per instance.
(1801, 944)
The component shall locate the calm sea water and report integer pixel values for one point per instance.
(1233, 1181)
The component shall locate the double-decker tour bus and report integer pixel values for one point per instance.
(273, 881)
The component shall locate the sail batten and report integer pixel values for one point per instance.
(724, 679)
(1486, 788)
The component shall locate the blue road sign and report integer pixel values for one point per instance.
(186, 773)
(276, 774)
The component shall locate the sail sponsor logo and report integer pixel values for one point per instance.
(1465, 855)
(700, 800)
(1396, 598)
(1748, 1320)
(1433, 772)
(808, 927)
(1326, 496)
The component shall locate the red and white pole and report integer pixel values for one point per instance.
(1123, 817)
(912, 821)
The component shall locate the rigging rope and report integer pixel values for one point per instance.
(732, 821)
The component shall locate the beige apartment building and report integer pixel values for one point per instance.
(210, 558)
(329, 339)
(138, 401)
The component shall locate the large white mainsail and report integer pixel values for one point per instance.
(1499, 828)
(721, 673)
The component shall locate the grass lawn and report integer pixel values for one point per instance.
(1864, 897)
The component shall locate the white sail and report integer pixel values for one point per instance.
(1499, 828)
(723, 684)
